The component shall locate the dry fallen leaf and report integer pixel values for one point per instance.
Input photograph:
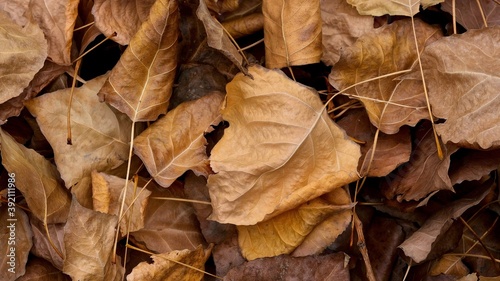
(283, 233)
(41, 270)
(16, 10)
(419, 244)
(469, 15)
(37, 179)
(88, 239)
(388, 49)
(392, 7)
(176, 142)
(452, 265)
(166, 266)
(471, 165)
(140, 84)
(292, 32)
(100, 134)
(42, 246)
(121, 16)
(463, 77)
(57, 20)
(342, 25)
(16, 236)
(23, 52)
(222, 6)
(243, 26)
(281, 149)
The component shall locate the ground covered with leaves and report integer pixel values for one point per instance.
(250, 140)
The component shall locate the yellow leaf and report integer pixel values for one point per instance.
(292, 32)
(281, 149)
(140, 85)
(176, 142)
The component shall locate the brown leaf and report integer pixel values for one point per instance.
(329, 229)
(57, 20)
(419, 244)
(217, 38)
(37, 179)
(41, 244)
(16, 10)
(41, 270)
(85, 36)
(176, 142)
(391, 150)
(425, 173)
(388, 49)
(392, 7)
(140, 84)
(283, 233)
(23, 52)
(222, 6)
(100, 134)
(107, 191)
(88, 239)
(245, 25)
(121, 16)
(15, 235)
(292, 32)
(163, 268)
(463, 77)
(342, 25)
(169, 225)
(472, 165)
(452, 265)
(281, 149)
(469, 15)
(314, 268)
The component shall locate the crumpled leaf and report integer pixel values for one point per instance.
(283, 233)
(100, 134)
(88, 239)
(452, 265)
(121, 16)
(388, 49)
(107, 191)
(85, 36)
(469, 15)
(292, 32)
(23, 52)
(41, 270)
(57, 20)
(463, 77)
(164, 269)
(15, 229)
(16, 10)
(140, 84)
(314, 268)
(41, 244)
(342, 25)
(391, 150)
(176, 142)
(391, 7)
(169, 225)
(471, 165)
(37, 179)
(325, 233)
(424, 173)
(222, 6)
(245, 25)
(217, 38)
(281, 149)
(419, 244)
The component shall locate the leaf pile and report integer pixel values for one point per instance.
(250, 140)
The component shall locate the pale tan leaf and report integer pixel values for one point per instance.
(419, 244)
(140, 84)
(41, 244)
(38, 269)
(292, 32)
(37, 179)
(391, 7)
(176, 142)
(16, 10)
(281, 149)
(100, 135)
(325, 233)
(23, 52)
(388, 49)
(424, 173)
(169, 225)
(342, 25)
(164, 267)
(463, 77)
(217, 38)
(469, 15)
(121, 16)
(283, 233)
(110, 188)
(15, 235)
(57, 20)
(88, 239)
